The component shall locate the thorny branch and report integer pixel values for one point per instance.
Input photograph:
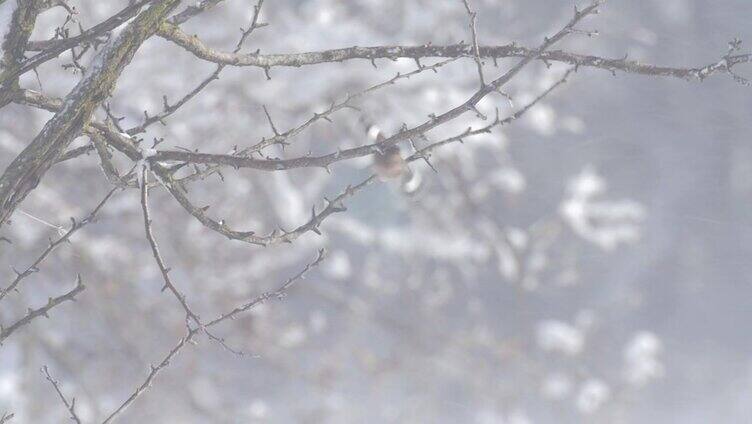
(168, 284)
(154, 370)
(74, 116)
(5, 332)
(476, 50)
(425, 152)
(169, 109)
(190, 334)
(513, 50)
(26, 170)
(325, 161)
(70, 406)
(75, 226)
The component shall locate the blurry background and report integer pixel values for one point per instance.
(589, 263)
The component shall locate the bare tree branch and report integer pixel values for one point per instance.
(326, 160)
(5, 332)
(476, 50)
(425, 152)
(191, 333)
(75, 226)
(266, 61)
(154, 370)
(277, 236)
(193, 10)
(169, 109)
(70, 406)
(155, 250)
(279, 293)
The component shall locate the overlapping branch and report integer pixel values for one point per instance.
(191, 333)
(125, 145)
(425, 152)
(169, 109)
(53, 48)
(73, 116)
(26, 170)
(325, 161)
(168, 284)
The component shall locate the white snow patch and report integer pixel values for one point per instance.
(543, 120)
(641, 358)
(560, 336)
(509, 179)
(318, 321)
(556, 386)
(258, 409)
(605, 223)
(293, 336)
(592, 395)
(338, 265)
(288, 200)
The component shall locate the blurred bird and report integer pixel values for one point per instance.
(388, 164)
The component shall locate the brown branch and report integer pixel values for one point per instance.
(70, 406)
(168, 284)
(277, 236)
(195, 46)
(6, 417)
(121, 142)
(74, 153)
(281, 138)
(5, 332)
(105, 159)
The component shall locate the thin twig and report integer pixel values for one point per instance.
(281, 138)
(434, 121)
(154, 370)
(425, 151)
(70, 406)
(75, 226)
(169, 109)
(5, 332)
(168, 284)
(191, 333)
(476, 50)
(279, 293)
